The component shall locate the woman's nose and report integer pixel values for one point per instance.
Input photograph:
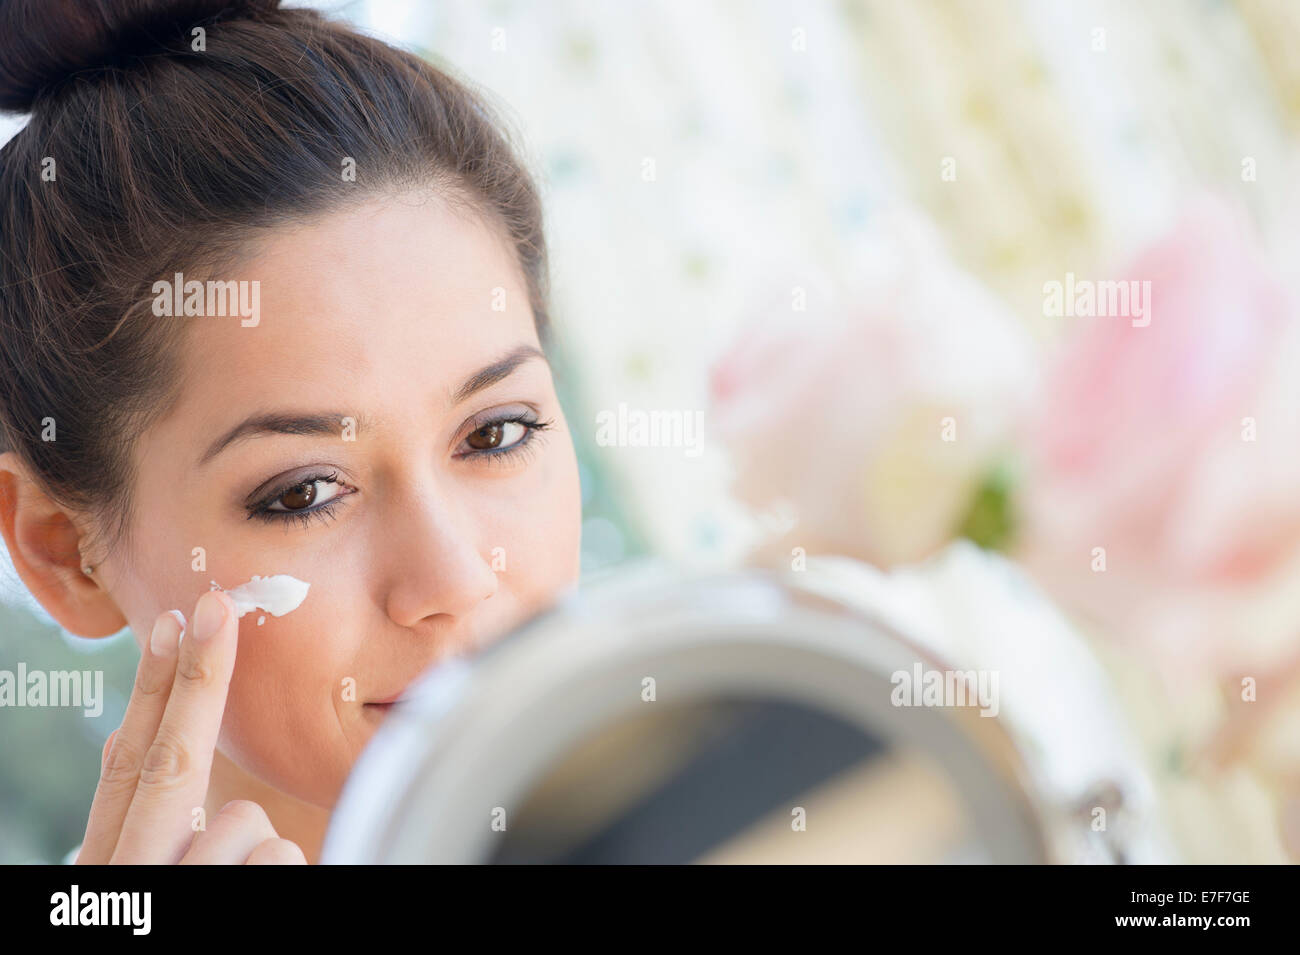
(437, 567)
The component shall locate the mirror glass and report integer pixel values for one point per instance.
(734, 780)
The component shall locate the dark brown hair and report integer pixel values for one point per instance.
(166, 157)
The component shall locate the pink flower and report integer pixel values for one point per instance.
(1169, 455)
(869, 418)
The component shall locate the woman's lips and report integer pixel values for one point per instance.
(380, 710)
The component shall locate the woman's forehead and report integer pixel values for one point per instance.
(370, 291)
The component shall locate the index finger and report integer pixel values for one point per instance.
(124, 752)
(176, 769)
(108, 745)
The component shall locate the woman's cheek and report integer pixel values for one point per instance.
(547, 533)
(567, 528)
(282, 720)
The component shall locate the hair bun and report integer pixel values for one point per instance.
(43, 42)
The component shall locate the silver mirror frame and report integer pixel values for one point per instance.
(423, 789)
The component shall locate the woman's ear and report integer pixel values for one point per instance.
(45, 547)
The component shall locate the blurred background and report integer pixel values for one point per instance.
(846, 240)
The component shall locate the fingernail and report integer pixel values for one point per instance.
(209, 616)
(166, 636)
(180, 618)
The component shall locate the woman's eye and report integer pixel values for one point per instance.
(305, 495)
(498, 435)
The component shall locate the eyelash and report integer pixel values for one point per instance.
(521, 448)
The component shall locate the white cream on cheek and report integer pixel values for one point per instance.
(277, 595)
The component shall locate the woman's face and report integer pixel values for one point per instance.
(433, 503)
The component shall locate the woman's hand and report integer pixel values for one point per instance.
(157, 763)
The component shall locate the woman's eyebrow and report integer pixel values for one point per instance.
(281, 422)
(317, 424)
(495, 372)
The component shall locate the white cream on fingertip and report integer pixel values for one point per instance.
(277, 595)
